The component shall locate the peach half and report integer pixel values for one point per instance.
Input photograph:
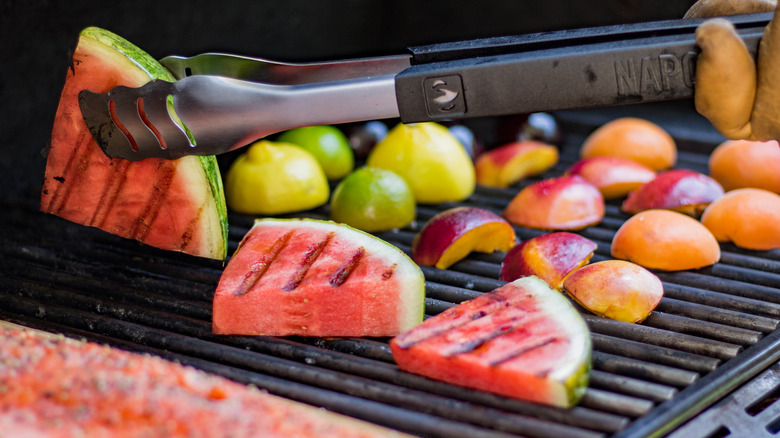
(507, 164)
(451, 235)
(615, 289)
(737, 164)
(560, 204)
(665, 240)
(615, 177)
(681, 190)
(636, 139)
(749, 218)
(551, 257)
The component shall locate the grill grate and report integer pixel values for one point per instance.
(714, 330)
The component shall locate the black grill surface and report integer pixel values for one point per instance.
(714, 330)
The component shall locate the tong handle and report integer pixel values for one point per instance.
(613, 65)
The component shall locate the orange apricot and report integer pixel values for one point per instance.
(665, 240)
(750, 218)
(636, 139)
(737, 164)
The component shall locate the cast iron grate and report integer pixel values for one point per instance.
(714, 330)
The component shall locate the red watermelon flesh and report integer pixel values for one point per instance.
(523, 340)
(174, 205)
(317, 278)
(55, 387)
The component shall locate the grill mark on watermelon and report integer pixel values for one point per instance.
(474, 343)
(165, 171)
(261, 267)
(456, 317)
(514, 354)
(308, 260)
(388, 274)
(61, 193)
(342, 274)
(110, 192)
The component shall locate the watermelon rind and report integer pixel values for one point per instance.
(197, 178)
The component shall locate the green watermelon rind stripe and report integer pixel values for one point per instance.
(557, 307)
(155, 70)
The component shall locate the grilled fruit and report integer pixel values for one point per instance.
(523, 340)
(551, 257)
(170, 204)
(749, 218)
(738, 164)
(508, 164)
(636, 139)
(58, 387)
(317, 278)
(666, 240)
(680, 190)
(563, 203)
(452, 234)
(616, 289)
(615, 177)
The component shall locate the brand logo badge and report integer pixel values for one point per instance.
(444, 96)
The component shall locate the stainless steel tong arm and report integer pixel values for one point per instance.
(208, 115)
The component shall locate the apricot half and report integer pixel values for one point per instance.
(633, 138)
(615, 289)
(737, 164)
(507, 164)
(681, 190)
(750, 218)
(551, 257)
(615, 177)
(451, 235)
(563, 203)
(665, 240)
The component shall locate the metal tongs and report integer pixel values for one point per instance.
(222, 102)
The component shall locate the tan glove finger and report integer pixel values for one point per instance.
(766, 111)
(725, 79)
(719, 8)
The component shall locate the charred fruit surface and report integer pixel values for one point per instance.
(523, 340)
(317, 278)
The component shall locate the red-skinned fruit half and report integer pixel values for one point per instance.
(682, 190)
(561, 204)
(551, 257)
(615, 177)
(616, 289)
(451, 235)
(507, 164)
(523, 340)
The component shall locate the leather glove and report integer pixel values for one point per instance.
(741, 98)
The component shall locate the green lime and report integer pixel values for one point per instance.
(430, 159)
(329, 146)
(275, 178)
(373, 199)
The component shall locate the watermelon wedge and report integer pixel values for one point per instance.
(173, 205)
(523, 340)
(309, 277)
(55, 387)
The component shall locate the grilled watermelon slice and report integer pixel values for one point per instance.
(174, 205)
(310, 277)
(58, 387)
(523, 340)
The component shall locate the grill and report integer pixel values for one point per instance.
(714, 331)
